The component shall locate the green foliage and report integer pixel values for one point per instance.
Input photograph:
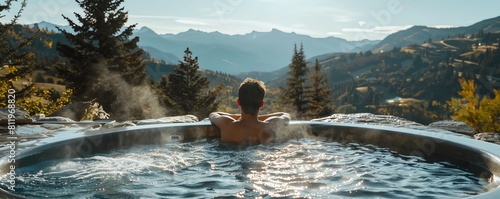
(319, 94)
(294, 94)
(50, 80)
(101, 55)
(306, 95)
(483, 116)
(12, 44)
(347, 109)
(13, 55)
(184, 91)
(39, 78)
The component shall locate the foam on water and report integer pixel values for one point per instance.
(204, 169)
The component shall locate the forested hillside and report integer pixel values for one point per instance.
(415, 81)
(422, 76)
(46, 55)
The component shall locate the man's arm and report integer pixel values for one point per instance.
(278, 117)
(276, 121)
(220, 119)
(281, 115)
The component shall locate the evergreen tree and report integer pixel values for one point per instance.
(19, 62)
(185, 89)
(101, 55)
(295, 94)
(320, 94)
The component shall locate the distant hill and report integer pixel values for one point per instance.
(160, 55)
(402, 39)
(427, 70)
(265, 76)
(51, 27)
(255, 51)
(425, 75)
(44, 47)
(216, 57)
(421, 34)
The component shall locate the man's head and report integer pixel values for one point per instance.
(251, 96)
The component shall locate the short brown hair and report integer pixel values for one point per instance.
(251, 94)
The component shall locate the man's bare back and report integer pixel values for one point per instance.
(237, 128)
(249, 126)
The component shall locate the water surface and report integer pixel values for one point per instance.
(205, 169)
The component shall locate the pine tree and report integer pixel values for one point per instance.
(320, 94)
(185, 89)
(19, 62)
(101, 55)
(295, 94)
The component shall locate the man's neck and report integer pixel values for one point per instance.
(248, 117)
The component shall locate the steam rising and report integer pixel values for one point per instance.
(295, 131)
(131, 101)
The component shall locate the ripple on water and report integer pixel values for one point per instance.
(204, 169)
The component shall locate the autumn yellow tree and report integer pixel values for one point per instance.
(17, 61)
(14, 63)
(482, 115)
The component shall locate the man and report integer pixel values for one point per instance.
(249, 126)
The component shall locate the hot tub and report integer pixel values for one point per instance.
(309, 159)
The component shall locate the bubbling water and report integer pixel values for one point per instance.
(205, 169)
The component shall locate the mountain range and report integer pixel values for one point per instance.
(421, 64)
(400, 39)
(267, 53)
(421, 34)
(255, 51)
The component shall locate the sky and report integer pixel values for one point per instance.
(348, 19)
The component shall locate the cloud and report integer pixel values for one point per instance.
(181, 20)
(334, 33)
(192, 22)
(299, 25)
(378, 29)
(153, 17)
(343, 18)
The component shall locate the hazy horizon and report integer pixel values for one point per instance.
(350, 20)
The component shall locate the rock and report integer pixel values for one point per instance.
(118, 124)
(368, 118)
(73, 111)
(53, 126)
(488, 137)
(173, 119)
(82, 111)
(55, 119)
(454, 126)
(95, 112)
(445, 127)
(19, 113)
(31, 131)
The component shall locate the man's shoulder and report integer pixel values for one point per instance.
(220, 119)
